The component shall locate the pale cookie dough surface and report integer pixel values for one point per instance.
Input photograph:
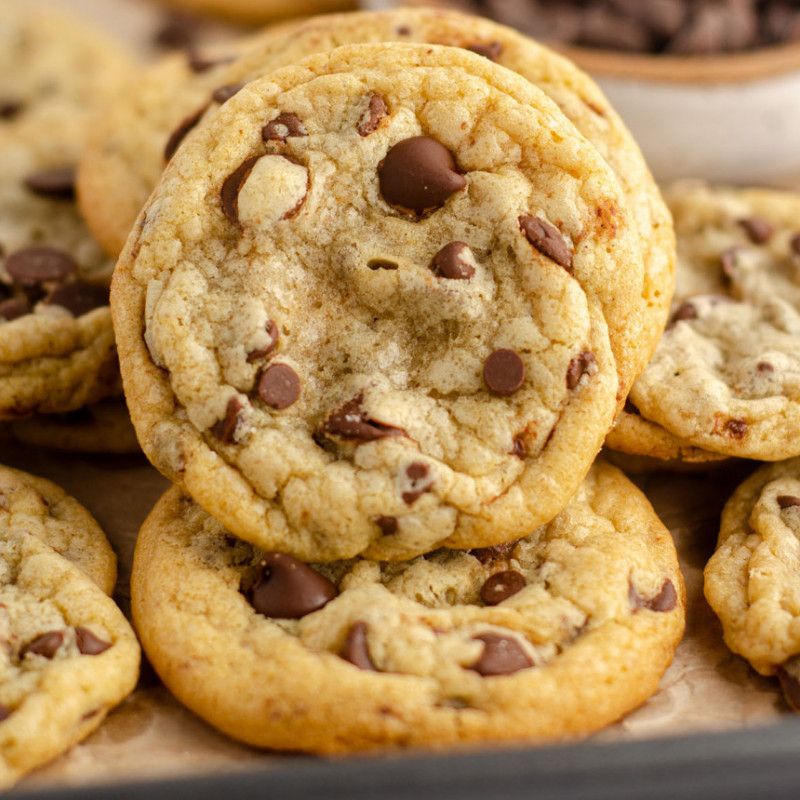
(125, 156)
(300, 356)
(68, 656)
(552, 636)
(56, 342)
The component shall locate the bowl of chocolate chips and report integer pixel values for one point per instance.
(710, 88)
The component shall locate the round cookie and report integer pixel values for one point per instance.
(357, 296)
(56, 342)
(556, 635)
(100, 428)
(752, 580)
(125, 157)
(69, 655)
(258, 12)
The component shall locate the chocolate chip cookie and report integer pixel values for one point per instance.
(135, 136)
(357, 296)
(555, 635)
(56, 342)
(752, 579)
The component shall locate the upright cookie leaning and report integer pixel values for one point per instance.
(555, 635)
(371, 313)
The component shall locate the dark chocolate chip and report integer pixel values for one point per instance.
(185, 126)
(388, 525)
(518, 447)
(727, 261)
(274, 335)
(279, 386)
(14, 308)
(547, 239)
(5, 712)
(757, 229)
(795, 244)
(421, 482)
(355, 649)
(499, 552)
(501, 586)
(502, 655)
(419, 174)
(78, 298)
(10, 108)
(737, 428)
(56, 184)
(665, 600)
(403, 30)
(225, 429)
(790, 687)
(288, 589)
(490, 50)
(454, 261)
(283, 127)
(350, 421)
(788, 501)
(224, 93)
(35, 265)
(630, 408)
(764, 367)
(88, 643)
(199, 63)
(579, 366)
(371, 119)
(504, 372)
(381, 263)
(45, 645)
(233, 185)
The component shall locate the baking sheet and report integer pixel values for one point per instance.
(150, 735)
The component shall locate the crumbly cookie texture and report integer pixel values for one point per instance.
(390, 281)
(724, 377)
(126, 154)
(555, 635)
(56, 341)
(44, 510)
(752, 579)
(68, 655)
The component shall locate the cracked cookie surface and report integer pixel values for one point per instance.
(389, 282)
(554, 635)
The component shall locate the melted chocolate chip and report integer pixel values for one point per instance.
(45, 645)
(787, 501)
(419, 476)
(282, 128)
(274, 335)
(10, 108)
(504, 372)
(665, 600)
(55, 184)
(419, 174)
(224, 93)
(499, 552)
(547, 239)
(88, 643)
(387, 525)
(757, 229)
(490, 50)
(14, 308)
(454, 261)
(501, 586)
(225, 429)
(381, 263)
(35, 265)
(502, 655)
(355, 649)
(78, 298)
(288, 589)
(350, 421)
(185, 126)
(233, 185)
(736, 428)
(371, 119)
(279, 386)
(579, 366)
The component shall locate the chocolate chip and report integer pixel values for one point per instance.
(490, 50)
(790, 687)
(547, 239)
(788, 501)
(56, 184)
(764, 368)
(199, 63)
(727, 261)
(14, 308)
(233, 185)
(45, 645)
(403, 30)
(686, 310)
(518, 447)
(419, 174)
(279, 386)
(274, 335)
(5, 712)
(185, 126)
(454, 261)
(35, 265)
(288, 589)
(10, 108)
(355, 649)
(795, 243)
(177, 31)
(665, 600)
(758, 229)
(282, 128)
(737, 428)
(350, 421)
(630, 408)
(381, 263)
(225, 429)
(502, 655)
(504, 372)
(582, 364)
(88, 643)
(373, 116)
(388, 525)
(224, 93)
(419, 476)
(78, 298)
(501, 586)
(499, 552)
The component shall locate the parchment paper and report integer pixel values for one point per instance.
(151, 735)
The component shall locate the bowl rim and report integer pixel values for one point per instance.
(752, 65)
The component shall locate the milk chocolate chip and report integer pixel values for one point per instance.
(501, 586)
(78, 298)
(38, 264)
(504, 372)
(490, 50)
(454, 261)
(10, 108)
(232, 186)
(279, 386)
(14, 308)
(282, 127)
(88, 643)
(371, 119)
(788, 501)
(488, 555)
(355, 649)
(56, 184)
(225, 429)
(583, 364)
(387, 525)
(262, 352)
(185, 126)
(45, 645)
(757, 229)
(547, 239)
(420, 482)
(502, 655)
(222, 94)
(665, 600)
(350, 421)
